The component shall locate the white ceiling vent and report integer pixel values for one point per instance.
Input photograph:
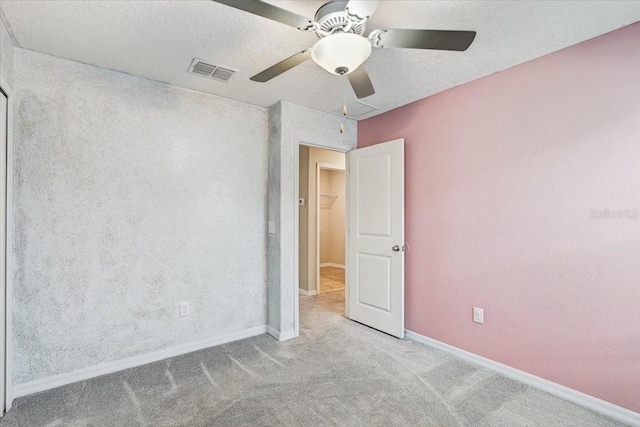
(203, 68)
(357, 109)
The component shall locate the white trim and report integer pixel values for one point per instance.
(347, 210)
(593, 403)
(287, 335)
(307, 293)
(8, 386)
(4, 134)
(271, 331)
(131, 362)
(331, 264)
(333, 290)
(281, 336)
(296, 246)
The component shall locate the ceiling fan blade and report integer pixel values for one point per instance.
(272, 12)
(361, 83)
(361, 9)
(422, 39)
(282, 66)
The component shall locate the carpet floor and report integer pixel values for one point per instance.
(337, 373)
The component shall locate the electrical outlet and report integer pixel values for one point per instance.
(478, 315)
(185, 309)
(272, 227)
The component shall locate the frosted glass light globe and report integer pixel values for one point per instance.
(338, 51)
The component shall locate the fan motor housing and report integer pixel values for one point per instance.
(331, 18)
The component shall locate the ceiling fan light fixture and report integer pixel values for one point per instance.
(341, 51)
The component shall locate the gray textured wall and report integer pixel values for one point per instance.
(273, 214)
(6, 54)
(131, 196)
(289, 125)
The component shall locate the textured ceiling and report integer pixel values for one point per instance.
(159, 39)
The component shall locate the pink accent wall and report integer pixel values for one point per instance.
(502, 175)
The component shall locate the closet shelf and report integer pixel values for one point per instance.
(327, 200)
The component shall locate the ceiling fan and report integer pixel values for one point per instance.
(343, 48)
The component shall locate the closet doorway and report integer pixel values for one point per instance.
(330, 227)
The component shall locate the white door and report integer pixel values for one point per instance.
(3, 222)
(376, 237)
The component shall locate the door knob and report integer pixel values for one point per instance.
(396, 248)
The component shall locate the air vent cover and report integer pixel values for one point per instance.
(357, 109)
(216, 72)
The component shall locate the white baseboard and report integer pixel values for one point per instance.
(273, 332)
(597, 405)
(287, 335)
(307, 293)
(331, 264)
(333, 290)
(54, 381)
(280, 336)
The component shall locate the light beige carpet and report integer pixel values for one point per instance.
(337, 373)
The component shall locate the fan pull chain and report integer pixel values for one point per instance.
(344, 106)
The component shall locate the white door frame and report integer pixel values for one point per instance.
(329, 167)
(296, 226)
(6, 356)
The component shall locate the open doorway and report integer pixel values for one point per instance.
(330, 228)
(322, 227)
